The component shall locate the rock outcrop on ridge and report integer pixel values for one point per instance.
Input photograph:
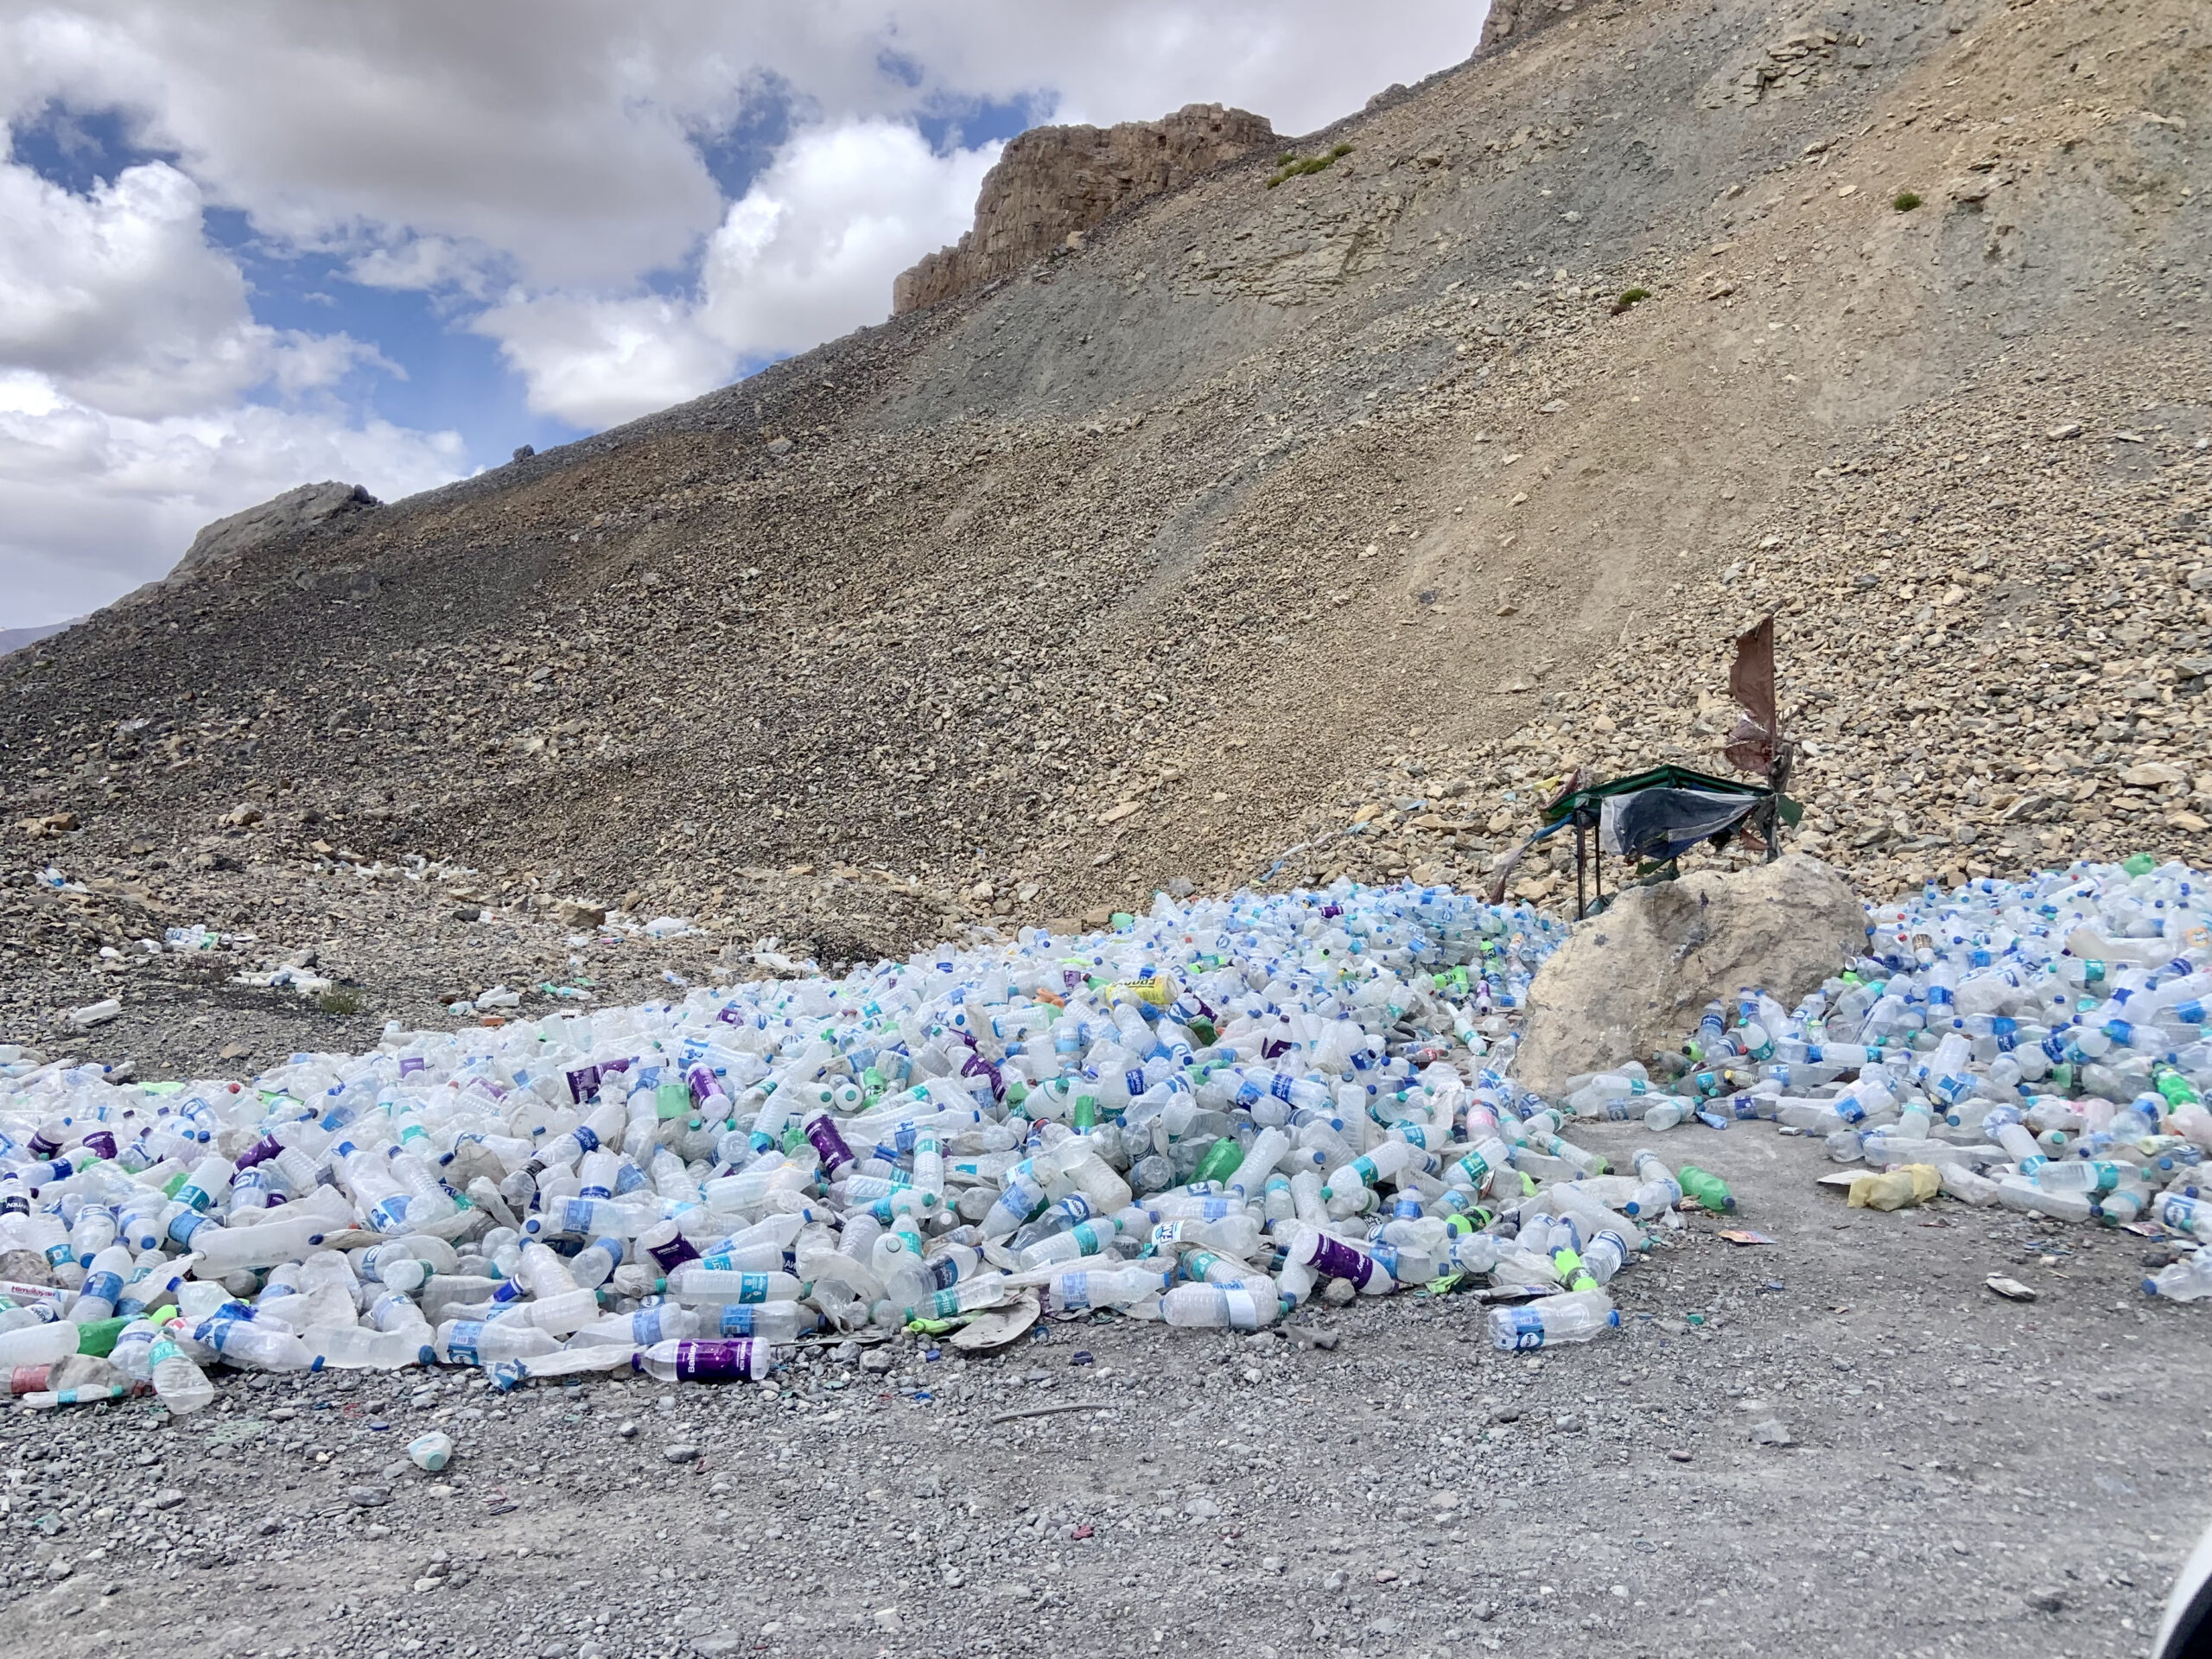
(1054, 183)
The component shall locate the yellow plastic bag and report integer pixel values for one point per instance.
(1894, 1189)
(1156, 991)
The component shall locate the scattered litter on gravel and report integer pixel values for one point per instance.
(2039, 1045)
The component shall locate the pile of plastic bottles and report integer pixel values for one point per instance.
(2039, 1045)
(1204, 1116)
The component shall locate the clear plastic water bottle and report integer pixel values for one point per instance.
(1552, 1321)
(177, 1380)
(1216, 1307)
(2188, 1280)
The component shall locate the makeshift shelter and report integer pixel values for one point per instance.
(1653, 817)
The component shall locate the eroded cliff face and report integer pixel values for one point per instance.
(1510, 19)
(1055, 182)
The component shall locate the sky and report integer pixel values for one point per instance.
(250, 244)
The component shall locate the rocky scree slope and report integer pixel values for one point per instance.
(1340, 517)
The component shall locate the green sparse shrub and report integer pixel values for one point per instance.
(1905, 200)
(339, 998)
(1630, 297)
(1291, 166)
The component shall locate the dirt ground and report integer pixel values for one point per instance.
(1967, 1475)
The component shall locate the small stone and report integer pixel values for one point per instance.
(467, 912)
(367, 1497)
(679, 1454)
(887, 1619)
(1201, 1508)
(2152, 774)
(628, 1431)
(1679, 1455)
(167, 1498)
(2064, 429)
(59, 1569)
(2046, 1601)
(1772, 1432)
(876, 1361)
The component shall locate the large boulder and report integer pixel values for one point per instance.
(1636, 978)
(227, 540)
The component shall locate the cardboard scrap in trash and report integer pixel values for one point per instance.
(998, 1327)
(1745, 1235)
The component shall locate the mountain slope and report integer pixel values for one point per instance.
(1361, 496)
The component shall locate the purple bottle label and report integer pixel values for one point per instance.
(673, 1254)
(1334, 1259)
(836, 1154)
(712, 1359)
(583, 1084)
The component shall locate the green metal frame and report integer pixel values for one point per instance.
(1581, 808)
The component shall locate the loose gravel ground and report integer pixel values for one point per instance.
(1959, 1474)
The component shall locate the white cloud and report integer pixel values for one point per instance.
(595, 362)
(805, 255)
(809, 251)
(118, 297)
(94, 504)
(553, 153)
(127, 350)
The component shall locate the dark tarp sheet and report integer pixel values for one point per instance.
(1662, 824)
